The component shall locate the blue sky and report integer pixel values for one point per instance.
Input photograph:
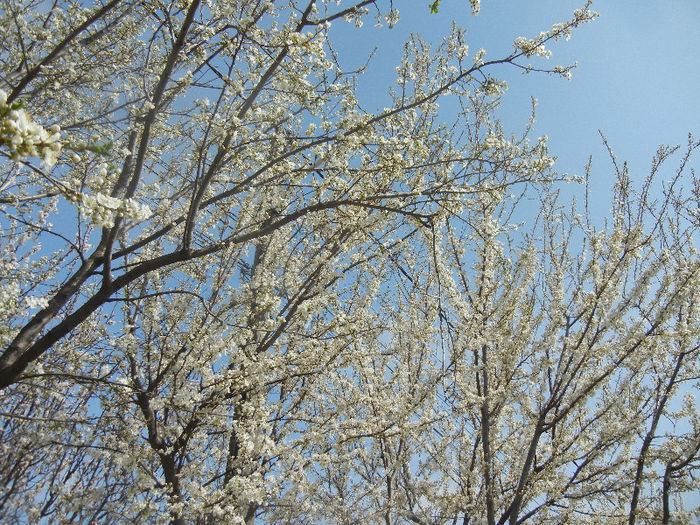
(637, 80)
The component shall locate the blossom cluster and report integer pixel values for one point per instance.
(531, 47)
(536, 46)
(103, 210)
(26, 138)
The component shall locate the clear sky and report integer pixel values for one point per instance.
(637, 80)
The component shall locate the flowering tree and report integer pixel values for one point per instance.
(229, 291)
(537, 373)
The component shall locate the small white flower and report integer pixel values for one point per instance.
(36, 302)
(108, 202)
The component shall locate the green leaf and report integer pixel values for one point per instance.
(434, 7)
(101, 149)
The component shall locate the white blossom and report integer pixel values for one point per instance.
(26, 138)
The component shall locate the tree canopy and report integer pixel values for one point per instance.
(231, 294)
